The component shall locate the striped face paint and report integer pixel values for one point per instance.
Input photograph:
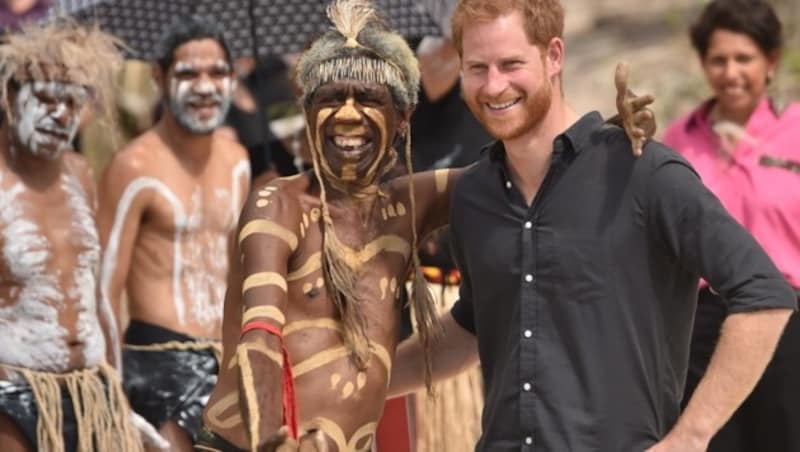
(353, 128)
(46, 116)
(200, 104)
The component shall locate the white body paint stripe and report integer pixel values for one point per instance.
(112, 247)
(242, 169)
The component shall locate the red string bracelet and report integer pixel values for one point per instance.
(289, 401)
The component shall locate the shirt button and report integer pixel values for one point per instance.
(508, 184)
(528, 334)
(526, 387)
(528, 225)
(528, 440)
(528, 278)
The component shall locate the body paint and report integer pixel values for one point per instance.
(32, 336)
(440, 179)
(183, 93)
(112, 246)
(84, 288)
(389, 243)
(46, 128)
(361, 441)
(216, 411)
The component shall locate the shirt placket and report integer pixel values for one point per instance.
(529, 305)
(528, 333)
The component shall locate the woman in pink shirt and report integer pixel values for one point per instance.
(747, 151)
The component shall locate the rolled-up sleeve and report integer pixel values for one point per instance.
(463, 310)
(708, 242)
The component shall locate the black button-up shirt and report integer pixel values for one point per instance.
(582, 302)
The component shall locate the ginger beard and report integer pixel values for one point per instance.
(531, 109)
(353, 173)
(46, 116)
(200, 106)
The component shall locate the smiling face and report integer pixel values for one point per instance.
(45, 116)
(506, 79)
(353, 127)
(737, 70)
(200, 86)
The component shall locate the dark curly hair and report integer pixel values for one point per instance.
(186, 29)
(754, 18)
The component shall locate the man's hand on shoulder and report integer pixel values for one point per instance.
(637, 120)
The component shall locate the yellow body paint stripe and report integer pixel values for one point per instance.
(320, 359)
(216, 410)
(334, 432)
(250, 396)
(360, 434)
(262, 348)
(440, 177)
(389, 243)
(268, 227)
(313, 264)
(270, 312)
(328, 324)
(383, 356)
(264, 279)
(331, 429)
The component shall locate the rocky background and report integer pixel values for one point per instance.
(652, 36)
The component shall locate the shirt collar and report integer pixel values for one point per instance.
(576, 136)
(766, 111)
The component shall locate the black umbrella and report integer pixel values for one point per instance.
(141, 23)
(287, 26)
(279, 26)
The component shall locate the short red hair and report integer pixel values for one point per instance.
(543, 19)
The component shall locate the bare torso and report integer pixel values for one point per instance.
(48, 270)
(333, 394)
(170, 232)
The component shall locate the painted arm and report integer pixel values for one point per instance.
(432, 194)
(266, 244)
(454, 352)
(123, 198)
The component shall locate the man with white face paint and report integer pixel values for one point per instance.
(57, 390)
(169, 202)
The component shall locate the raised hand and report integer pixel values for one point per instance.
(637, 120)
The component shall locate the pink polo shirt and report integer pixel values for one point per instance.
(759, 183)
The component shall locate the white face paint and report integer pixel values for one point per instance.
(47, 116)
(201, 104)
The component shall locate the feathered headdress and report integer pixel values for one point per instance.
(360, 47)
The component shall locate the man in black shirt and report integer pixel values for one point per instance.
(580, 265)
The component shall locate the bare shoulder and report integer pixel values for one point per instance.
(230, 149)
(280, 200)
(135, 158)
(78, 164)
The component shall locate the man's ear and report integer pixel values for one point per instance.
(554, 57)
(159, 77)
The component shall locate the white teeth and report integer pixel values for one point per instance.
(502, 106)
(349, 142)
